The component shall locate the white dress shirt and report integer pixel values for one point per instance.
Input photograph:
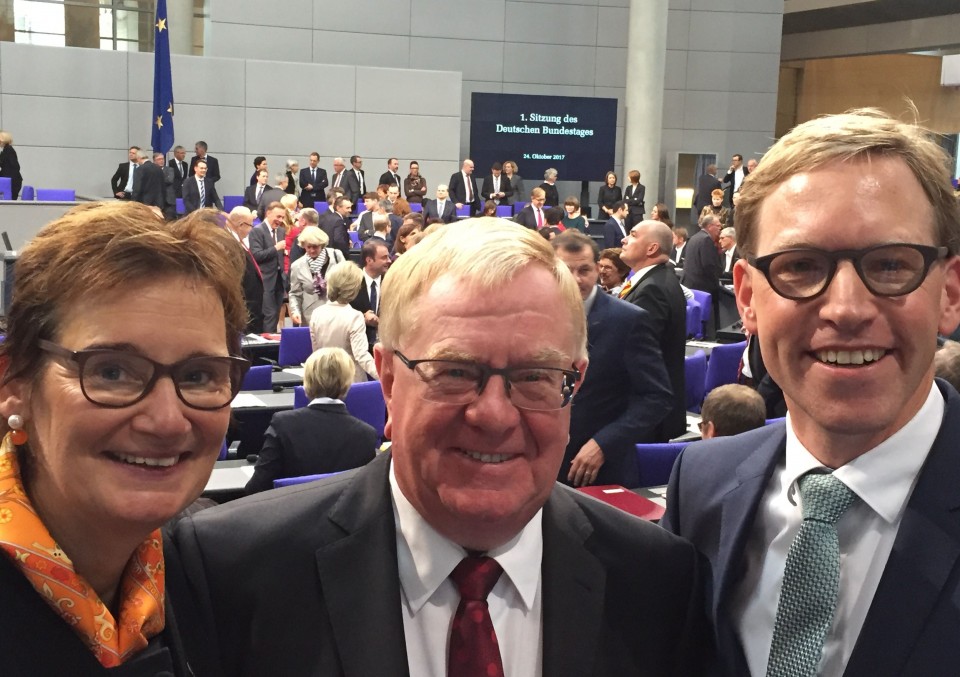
(467, 187)
(737, 179)
(429, 599)
(129, 187)
(368, 281)
(883, 478)
(727, 258)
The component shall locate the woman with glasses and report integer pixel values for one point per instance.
(118, 369)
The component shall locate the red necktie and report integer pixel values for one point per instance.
(539, 219)
(474, 651)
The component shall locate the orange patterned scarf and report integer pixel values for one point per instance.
(26, 541)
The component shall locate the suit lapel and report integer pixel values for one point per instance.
(360, 579)
(574, 584)
(924, 555)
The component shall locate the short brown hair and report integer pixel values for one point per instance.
(574, 242)
(733, 409)
(856, 134)
(612, 254)
(98, 247)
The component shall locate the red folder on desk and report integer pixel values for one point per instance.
(626, 500)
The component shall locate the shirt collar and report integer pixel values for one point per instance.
(884, 476)
(426, 558)
(325, 400)
(640, 272)
(368, 280)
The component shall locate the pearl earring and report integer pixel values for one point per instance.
(17, 434)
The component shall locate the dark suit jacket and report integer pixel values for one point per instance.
(270, 194)
(316, 194)
(250, 197)
(626, 392)
(714, 493)
(148, 185)
(336, 228)
(10, 169)
(702, 265)
(362, 303)
(487, 189)
(612, 235)
(387, 178)
(213, 167)
(527, 218)
(706, 184)
(183, 171)
(36, 641)
(733, 261)
(264, 251)
(728, 181)
(343, 179)
(191, 195)
(351, 185)
(319, 561)
(252, 286)
(170, 186)
(552, 197)
(449, 210)
(659, 293)
(634, 199)
(458, 191)
(120, 177)
(317, 439)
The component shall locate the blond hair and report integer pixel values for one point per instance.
(313, 235)
(343, 282)
(328, 372)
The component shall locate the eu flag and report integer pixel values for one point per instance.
(162, 138)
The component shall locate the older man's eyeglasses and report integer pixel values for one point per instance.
(886, 269)
(462, 382)
(118, 378)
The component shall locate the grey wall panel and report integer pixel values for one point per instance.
(469, 87)
(539, 64)
(476, 60)
(63, 72)
(363, 16)
(235, 170)
(612, 26)
(436, 172)
(560, 4)
(255, 13)
(272, 84)
(209, 81)
(898, 36)
(475, 20)
(678, 30)
(732, 71)
(56, 167)
(611, 66)
(60, 122)
(219, 126)
(271, 43)
(675, 70)
(728, 111)
(361, 49)
(423, 136)
(749, 144)
(737, 6)
(281, 131)
(140, 124)
(570, 25)
(402, 91)
(549, 90)
(736, 31)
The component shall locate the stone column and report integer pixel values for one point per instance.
(643, 100)
(180, 21)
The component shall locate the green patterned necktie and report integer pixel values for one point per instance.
(811, 579)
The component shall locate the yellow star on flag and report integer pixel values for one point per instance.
(170, 108)
(159, 122)
(161, 24)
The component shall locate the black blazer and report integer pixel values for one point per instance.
(715, 491)
(634, 199)
(264, 250)
(625, 394)
(620, 596)
(308, 198)
(553, 195)
(213, 167)
(702, 265)
(449, 210)
(607, 197)
(36, 641)
(120, 177)
(362, 303)
(250, 197)
(10, 169)
(659, 293)
(252, 286)
(612, 235)
(458, 191)
(183, 171)
(388, 178)
(351, 185)
(527, 218)
(148, 185)
(705, 185)
(320, 438)
(487, 189)
(191, 195)
(336, 228)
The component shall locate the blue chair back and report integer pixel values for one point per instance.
(694, 320)
(416, 207)
(694, 374)
(365, 401)
(302, 479)
(656, 462)
(771, 421)
(259, 377)
(6, 188)
(295, 346)
(27, 193)
(223, 451)
(463, 211)
(321, 206)
(56, 194)
(300, 398)
(518, 206)
(361, 207)
(723, 365)
(705, 299)
(180, 208)
(231, 201)
(504, 211)
(354, 239)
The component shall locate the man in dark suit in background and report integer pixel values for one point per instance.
(121, 183)
(375, 260)
(148, 186)
(702, 266)
(169, 186)
(532, 215)
(199, 191)
(496, 186)
(313, 182)
(240, 222)
(615, 229)
(463, 187)
(655, 288)
(354, 180)
(339, 177)
(336, 225)
(390, 177)
(361, 587)
(180, 166)
(729, 254)
(734, 178)
(268, 244)
(626, 392)
(706, 184)
(364, 223)
(867, 466)
(253, 195)
(213, 167)
(442, 208)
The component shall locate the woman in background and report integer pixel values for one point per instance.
(9, 164)
(516, 184)
(317, 260)
(662, 214)
(414, 186)
(338, 325)
(293, 177)
(609, 194)
(321, 437)
(613, 271)
(572, 217)
(549, 186)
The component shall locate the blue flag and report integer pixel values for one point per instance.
(162, 122)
